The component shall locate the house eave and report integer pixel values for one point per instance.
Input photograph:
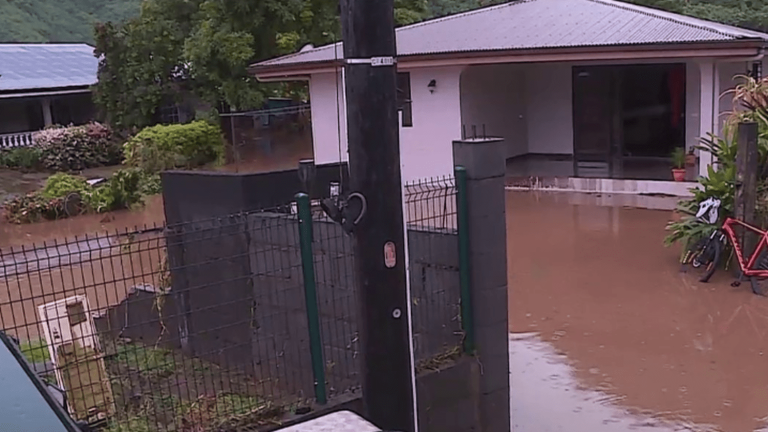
(713, 49)
(11, 94)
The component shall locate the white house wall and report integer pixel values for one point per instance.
(732, 74)
(494, 97)
(549, 108)
(329, 118)
(426, 148)
(497, 96)
(729, 73)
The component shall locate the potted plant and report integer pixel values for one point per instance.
(678, 164)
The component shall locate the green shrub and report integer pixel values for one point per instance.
(25, 158)
(163, 147)
(78, 148)
(121, 191)
(150, 183)
(33, 207)
(60, 185)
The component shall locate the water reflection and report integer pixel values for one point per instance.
(541, 375)
(594, 281)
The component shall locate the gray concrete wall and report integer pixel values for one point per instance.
(237, 289)
(485, 169)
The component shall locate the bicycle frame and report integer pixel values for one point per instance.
(747, 267)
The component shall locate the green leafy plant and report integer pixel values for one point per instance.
(719, 183)
(33, 207)
(150, 184)
(60, 185)
(678, 158)
(24, 158)
(125, 189)
(163, 147)
(121, 191)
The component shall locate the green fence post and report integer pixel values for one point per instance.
(310, 296)
(462, 216)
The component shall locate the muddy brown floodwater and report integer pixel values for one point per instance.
(609, 335)
(27, 235)
(282, 152)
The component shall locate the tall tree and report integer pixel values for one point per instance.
(141, 62)
(204, 47)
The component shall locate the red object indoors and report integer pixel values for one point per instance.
(676, 84)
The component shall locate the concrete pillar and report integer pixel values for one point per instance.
(484, 160)
(47, 114)
(709, 108)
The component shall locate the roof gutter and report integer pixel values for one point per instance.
(304, 77)
(733, 49)
(43, 93)
(759, 56)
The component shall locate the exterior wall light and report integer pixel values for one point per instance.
(432, 86)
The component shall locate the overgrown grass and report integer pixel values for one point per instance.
(137, 423)
(151, 362)
(230, 405)
(226, 411)
(35, 350)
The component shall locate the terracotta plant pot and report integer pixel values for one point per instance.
(678, 174)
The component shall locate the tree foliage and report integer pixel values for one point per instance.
(59, 20)
(172, 49)
(751, 14)
(202, 48)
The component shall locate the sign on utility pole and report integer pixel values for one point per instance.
(380, 256)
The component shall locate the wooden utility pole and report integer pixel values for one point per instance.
(746, 181)
(368, 30)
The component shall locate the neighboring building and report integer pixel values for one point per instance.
(42, 85)
(584, 88)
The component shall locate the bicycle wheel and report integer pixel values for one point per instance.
(759, 285)
(710, 258)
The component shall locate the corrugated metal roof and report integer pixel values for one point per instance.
(43, 66)
(531, 24)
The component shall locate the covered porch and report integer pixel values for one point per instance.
(23, 115)
(607, 120)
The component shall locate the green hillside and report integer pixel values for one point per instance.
(72, 20)
(59, 20)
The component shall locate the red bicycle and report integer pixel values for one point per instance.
(707, 253)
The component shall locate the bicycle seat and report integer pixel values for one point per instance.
(708, 210)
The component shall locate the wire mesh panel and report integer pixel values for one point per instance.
(203, 325)
(430, 207)
(199, 326)
(338, 304)
(271, 139)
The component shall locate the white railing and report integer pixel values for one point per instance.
(21, 139)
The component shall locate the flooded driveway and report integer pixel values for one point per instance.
(76, 229)
(605, 326)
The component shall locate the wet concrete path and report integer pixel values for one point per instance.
(612, 326)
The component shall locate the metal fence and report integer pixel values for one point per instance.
(433, 249)
(254, 136)
(222, 323)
